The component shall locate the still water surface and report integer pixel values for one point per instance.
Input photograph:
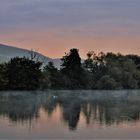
(70, 114)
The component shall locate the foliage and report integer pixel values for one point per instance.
(98, 71)
(51, 77)
(21, 73)
(72, 70)
(106, 82)
(3, 77)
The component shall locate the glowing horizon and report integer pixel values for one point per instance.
(55, 26)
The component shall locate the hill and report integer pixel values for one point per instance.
(8, 52)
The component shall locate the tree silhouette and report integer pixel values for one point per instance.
(72, 69)
(51, 77)
(23, 73)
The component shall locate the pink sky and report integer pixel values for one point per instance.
(54, 43)
(55, 26)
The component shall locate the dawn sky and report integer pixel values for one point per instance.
(55, 26)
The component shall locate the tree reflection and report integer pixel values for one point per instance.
(71, 112)
(104, 110)
(49, 104)
(19, 107)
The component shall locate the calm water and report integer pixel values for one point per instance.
(70, 114)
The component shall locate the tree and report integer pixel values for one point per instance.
(135, 59)
(71, 62)
(23, 73)
(34, 55)
(72, 68)
(123, 70)
(130, 75)
(95, 67)
(106, 82)
(88, 63)
(52, 78)
(3, 76)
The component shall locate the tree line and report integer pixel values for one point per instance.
(98, 71)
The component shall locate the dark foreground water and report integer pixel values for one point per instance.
(70, 114)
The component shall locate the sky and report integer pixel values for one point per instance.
(54, 26)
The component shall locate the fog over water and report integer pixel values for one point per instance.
(70, 114)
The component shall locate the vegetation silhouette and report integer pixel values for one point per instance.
(23, 73)
(99, 71)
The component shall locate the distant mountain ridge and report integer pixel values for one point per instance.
(8, 52)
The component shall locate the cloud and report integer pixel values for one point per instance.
(68, 13)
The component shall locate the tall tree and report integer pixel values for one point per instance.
(72, 68)
(71, 61)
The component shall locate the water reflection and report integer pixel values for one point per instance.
(102, 107)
